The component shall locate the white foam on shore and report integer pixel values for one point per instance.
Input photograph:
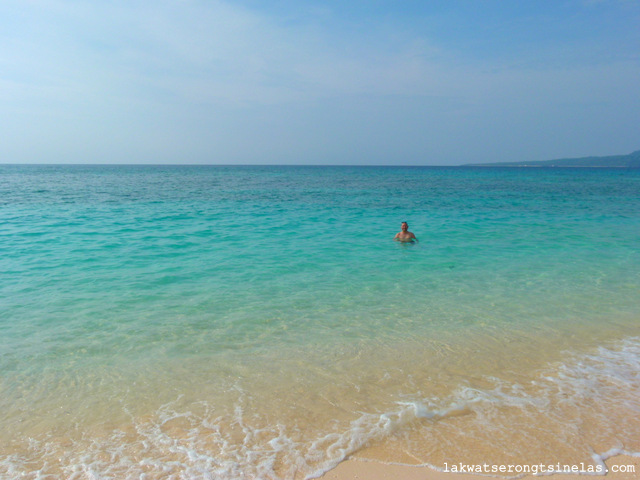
(178, 443)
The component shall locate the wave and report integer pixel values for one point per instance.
(591, 402)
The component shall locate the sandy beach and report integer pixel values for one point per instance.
(620, 467)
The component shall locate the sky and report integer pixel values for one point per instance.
(377, 82)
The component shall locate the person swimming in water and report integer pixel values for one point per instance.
(405, 235)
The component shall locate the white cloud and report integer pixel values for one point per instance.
(205, 52)
(216, 81)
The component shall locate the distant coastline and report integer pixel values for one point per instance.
(631, 160)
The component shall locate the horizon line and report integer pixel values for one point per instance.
(465, 165)
(224, 165)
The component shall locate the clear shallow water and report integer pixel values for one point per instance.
(259, 322)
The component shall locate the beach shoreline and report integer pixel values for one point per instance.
(619, 467)
(260, 323)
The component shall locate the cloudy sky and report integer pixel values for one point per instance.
(394, 82)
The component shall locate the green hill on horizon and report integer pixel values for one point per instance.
(631, 160)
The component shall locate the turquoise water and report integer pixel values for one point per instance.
(259, 322)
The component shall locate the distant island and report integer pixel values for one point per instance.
(614, 161)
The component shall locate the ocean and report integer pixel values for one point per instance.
(259, 322)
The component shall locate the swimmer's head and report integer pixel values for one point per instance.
(404, 226)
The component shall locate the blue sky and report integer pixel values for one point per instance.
(317, 82)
